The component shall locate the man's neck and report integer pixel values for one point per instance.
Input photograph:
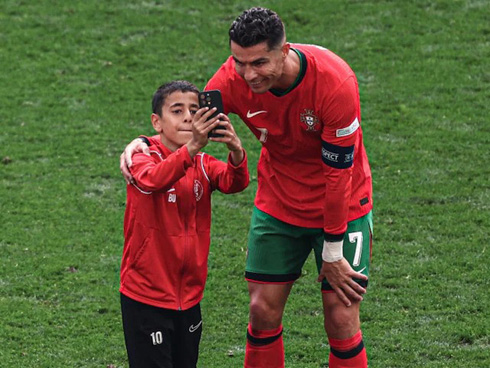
(292, 66)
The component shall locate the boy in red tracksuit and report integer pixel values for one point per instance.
(167, 228)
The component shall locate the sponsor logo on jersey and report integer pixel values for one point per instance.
(348, 130)
(198, 190)
(252, 114)
(310, 120)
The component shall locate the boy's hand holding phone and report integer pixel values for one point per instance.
(212, 99)
(211, 122)
(202, 124)
(230, 138)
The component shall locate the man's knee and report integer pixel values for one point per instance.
(264, 314)
(267, 305)
(341, 321)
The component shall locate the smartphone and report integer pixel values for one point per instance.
(212, 99)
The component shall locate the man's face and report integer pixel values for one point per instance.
(175, 124)
(259, 66)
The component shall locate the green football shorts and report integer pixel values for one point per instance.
(277, 251)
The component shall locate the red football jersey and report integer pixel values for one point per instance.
(313, 169)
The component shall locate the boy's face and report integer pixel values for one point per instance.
(175, 124)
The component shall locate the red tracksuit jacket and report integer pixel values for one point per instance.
(167, 224)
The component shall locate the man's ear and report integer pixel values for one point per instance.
(156, 121)
(285, 49)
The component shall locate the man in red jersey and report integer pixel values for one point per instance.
(314, 182)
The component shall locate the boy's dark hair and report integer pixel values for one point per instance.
(257, 25)
(168, 88)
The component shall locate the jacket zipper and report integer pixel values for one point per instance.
(185, 213)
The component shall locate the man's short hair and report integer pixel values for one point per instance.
(257, 25)
(166, 89)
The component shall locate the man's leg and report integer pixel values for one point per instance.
(265, 348)
(342, 326)
(342, 323)
(276, 254)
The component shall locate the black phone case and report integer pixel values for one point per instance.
(212, 99)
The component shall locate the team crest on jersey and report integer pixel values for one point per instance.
(310, 120)
(198, 189)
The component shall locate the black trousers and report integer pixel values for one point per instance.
(161, 338)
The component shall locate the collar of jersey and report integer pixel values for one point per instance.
(299, 78)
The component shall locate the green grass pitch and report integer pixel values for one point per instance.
(76, 80)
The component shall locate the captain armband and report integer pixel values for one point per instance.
(332, 251)
(337, 157)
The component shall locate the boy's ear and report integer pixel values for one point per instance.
(156, 121)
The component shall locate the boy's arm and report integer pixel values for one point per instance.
(232, 177)
(228, 177)
(153, 176)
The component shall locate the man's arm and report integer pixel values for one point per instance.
(339, 139)
(139, 144)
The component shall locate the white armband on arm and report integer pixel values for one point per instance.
(332, 251)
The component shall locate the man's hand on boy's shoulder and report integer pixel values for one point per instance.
(125, 161)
